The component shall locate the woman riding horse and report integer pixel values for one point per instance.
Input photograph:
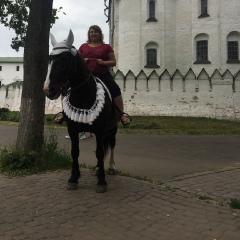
(87, 105)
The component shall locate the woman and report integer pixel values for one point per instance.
(99, 58)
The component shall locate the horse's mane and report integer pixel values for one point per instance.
(85, 95)
(80, 61)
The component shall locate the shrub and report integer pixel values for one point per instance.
(48, 118)
(7, 115)
(4, 110)
(234, 203)
(15, 162)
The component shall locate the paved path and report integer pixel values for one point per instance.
(158, 157)
(191, 203)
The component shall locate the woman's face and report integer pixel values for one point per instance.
(94, 35)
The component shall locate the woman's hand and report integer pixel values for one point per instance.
(100, 62)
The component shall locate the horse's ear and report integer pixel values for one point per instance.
(53, 40)
(70, 38)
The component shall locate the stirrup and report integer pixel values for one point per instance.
(58, 120)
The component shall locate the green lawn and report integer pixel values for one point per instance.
(163, 125)
(181, 125)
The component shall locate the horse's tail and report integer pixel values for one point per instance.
(110, 140)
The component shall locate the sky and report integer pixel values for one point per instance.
(80, 14)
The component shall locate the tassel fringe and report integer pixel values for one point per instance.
(87, 116)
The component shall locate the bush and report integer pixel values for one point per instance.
(15, 162)
(7, 115)
(4, 110)
(48, 119)
(14, 159)
(234, 203)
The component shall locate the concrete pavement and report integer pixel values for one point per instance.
(200, 175)
(158, 157)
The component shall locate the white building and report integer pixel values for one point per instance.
(183, 56)
(11, 70)
(175, 34)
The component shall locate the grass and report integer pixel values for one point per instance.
(145, 178)
(154, 125)
(180, 125)
(14, 162)
(204, 197)
(234, 203)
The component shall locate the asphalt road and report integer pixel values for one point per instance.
(161, 158)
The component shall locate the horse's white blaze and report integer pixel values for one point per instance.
(47, 81)
(112, 162)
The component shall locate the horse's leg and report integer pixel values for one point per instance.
(112, 143)
(112, 169)
(75, 173)
(102, 184)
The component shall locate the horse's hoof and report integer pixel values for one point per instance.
(101, 188)
(72, 186)
(111, 171)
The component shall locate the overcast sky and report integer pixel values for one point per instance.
(80, 14)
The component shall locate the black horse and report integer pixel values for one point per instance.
(87, 106)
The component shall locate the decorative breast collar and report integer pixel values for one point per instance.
(87, 115)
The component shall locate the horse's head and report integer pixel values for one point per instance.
(59, 73)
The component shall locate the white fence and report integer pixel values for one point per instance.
(214, 96)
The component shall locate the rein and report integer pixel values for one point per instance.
(87, 116)
(72, 89)
(73, 54)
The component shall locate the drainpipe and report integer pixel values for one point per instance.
(109, 13)
(112, 23)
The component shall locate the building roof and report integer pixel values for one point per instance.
(11, 59)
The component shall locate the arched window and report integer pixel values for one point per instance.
(152, 54)
(201, 48)
(151, 11)
(203, 9)
(233, 39)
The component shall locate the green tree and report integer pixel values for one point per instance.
(14, 14)
(31, 20)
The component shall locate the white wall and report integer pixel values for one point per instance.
(9, 73)
(174, 32)
(214, 96)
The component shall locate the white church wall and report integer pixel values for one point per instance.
(10, 97)
(215, 96)
(9, 73)
(169, 45)
(2, 96)
(152, 34)
(174, 32)
(183, 37)
(236, 97)
(130, 34)
(17, 99)
(230, 22)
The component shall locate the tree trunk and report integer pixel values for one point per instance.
(31, 125)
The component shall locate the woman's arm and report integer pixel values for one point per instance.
(111, 62)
